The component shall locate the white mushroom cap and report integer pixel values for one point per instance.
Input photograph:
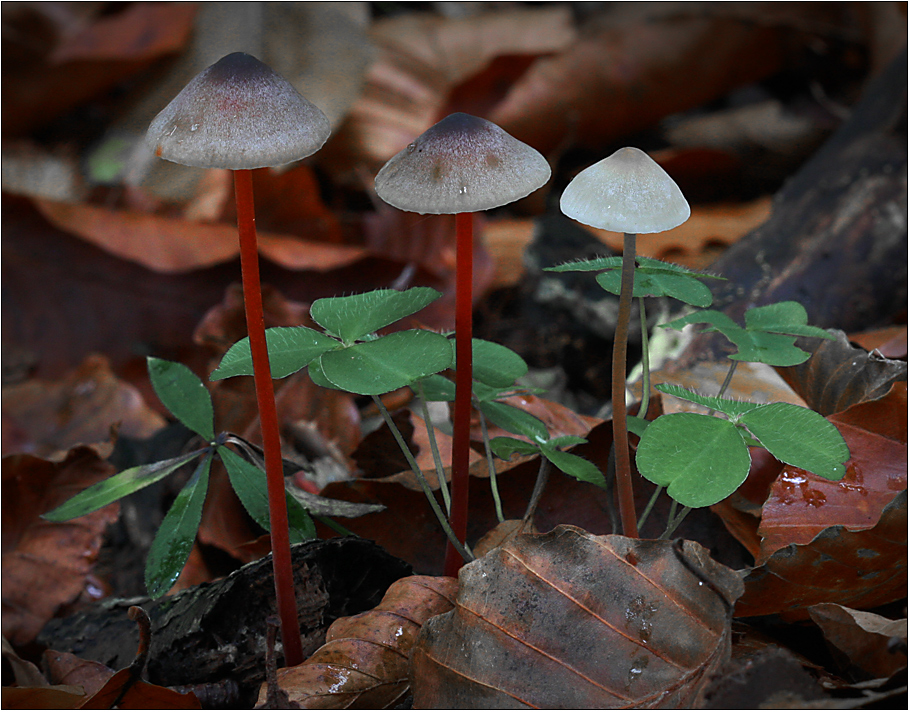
(461, 165)
(625, 192)
(238, 114)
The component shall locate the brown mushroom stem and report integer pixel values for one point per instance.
(461, 420)
(268, 420)
(620, 433)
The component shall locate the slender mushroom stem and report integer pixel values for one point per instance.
(461, 420)
(268, 420)
(620, 433)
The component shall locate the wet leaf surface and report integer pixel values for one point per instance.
(860, 569)
(571, 620)
(364, 662)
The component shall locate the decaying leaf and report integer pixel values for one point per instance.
(170, 245)
(869, 641)
(574, 621)
(421, 57)
(801, 505)
(364, 662)
(80, 409)
(839, 375)
(860, 569)
(45, 565)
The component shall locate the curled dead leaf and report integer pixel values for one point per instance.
(860, 569)
(864, 638)
(574, 621)
(364, 662)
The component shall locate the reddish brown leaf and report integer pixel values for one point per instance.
(69, 669)
(890, 342)
(421, 57)
(139, 696)
(801, 504)
(860, 569)
(630, 71)
(83, 408)
(170, 245)
(45, 565)
(88, 52)
(364, 662)
(58, 697)
(572, 621)
(864, 638)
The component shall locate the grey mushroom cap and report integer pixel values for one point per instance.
(460, 165)
(625, 192)
(238, 114)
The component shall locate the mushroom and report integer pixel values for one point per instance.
(626, 192)
(240, 115)
(458, 166)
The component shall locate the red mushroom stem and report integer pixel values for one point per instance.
(268, 420)
(620, 433)
(461, 421)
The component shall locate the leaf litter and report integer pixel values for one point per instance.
(851, 543)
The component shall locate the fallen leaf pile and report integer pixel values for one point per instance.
(789, 593)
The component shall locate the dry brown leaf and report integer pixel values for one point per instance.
(623, 77)
(421, 58)
(45, 565)
(172, 245)
(569, 620)
(364, 662)
(69, 669)
(83, 408)
(691, 243)
(839, 375)
(864, 638)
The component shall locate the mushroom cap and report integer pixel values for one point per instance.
(625, 192)
(238, 114)
(460, 165)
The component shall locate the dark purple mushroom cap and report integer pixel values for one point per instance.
(625, 192)
(238, 114)
(461, 165)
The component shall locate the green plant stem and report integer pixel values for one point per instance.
(461, 419)
(424, 485)
(543, 474)
(726, 383)
(620, 433)
(649, 507)
(674, 522)
(286, 600)
(645, 364)
(434, 447)
(492, 469)
(728, 379)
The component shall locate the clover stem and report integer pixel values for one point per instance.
(286, 600)
(461, 550)
(461, 420)
(434, 447)
(649, 507)
(494, 486)
(725, 384)
(620, 433)
(645, 362)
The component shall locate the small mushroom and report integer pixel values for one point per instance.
(626, 192)
(458, 166)
(239, 114)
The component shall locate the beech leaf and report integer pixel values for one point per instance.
(569, 620)
(364, 662)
